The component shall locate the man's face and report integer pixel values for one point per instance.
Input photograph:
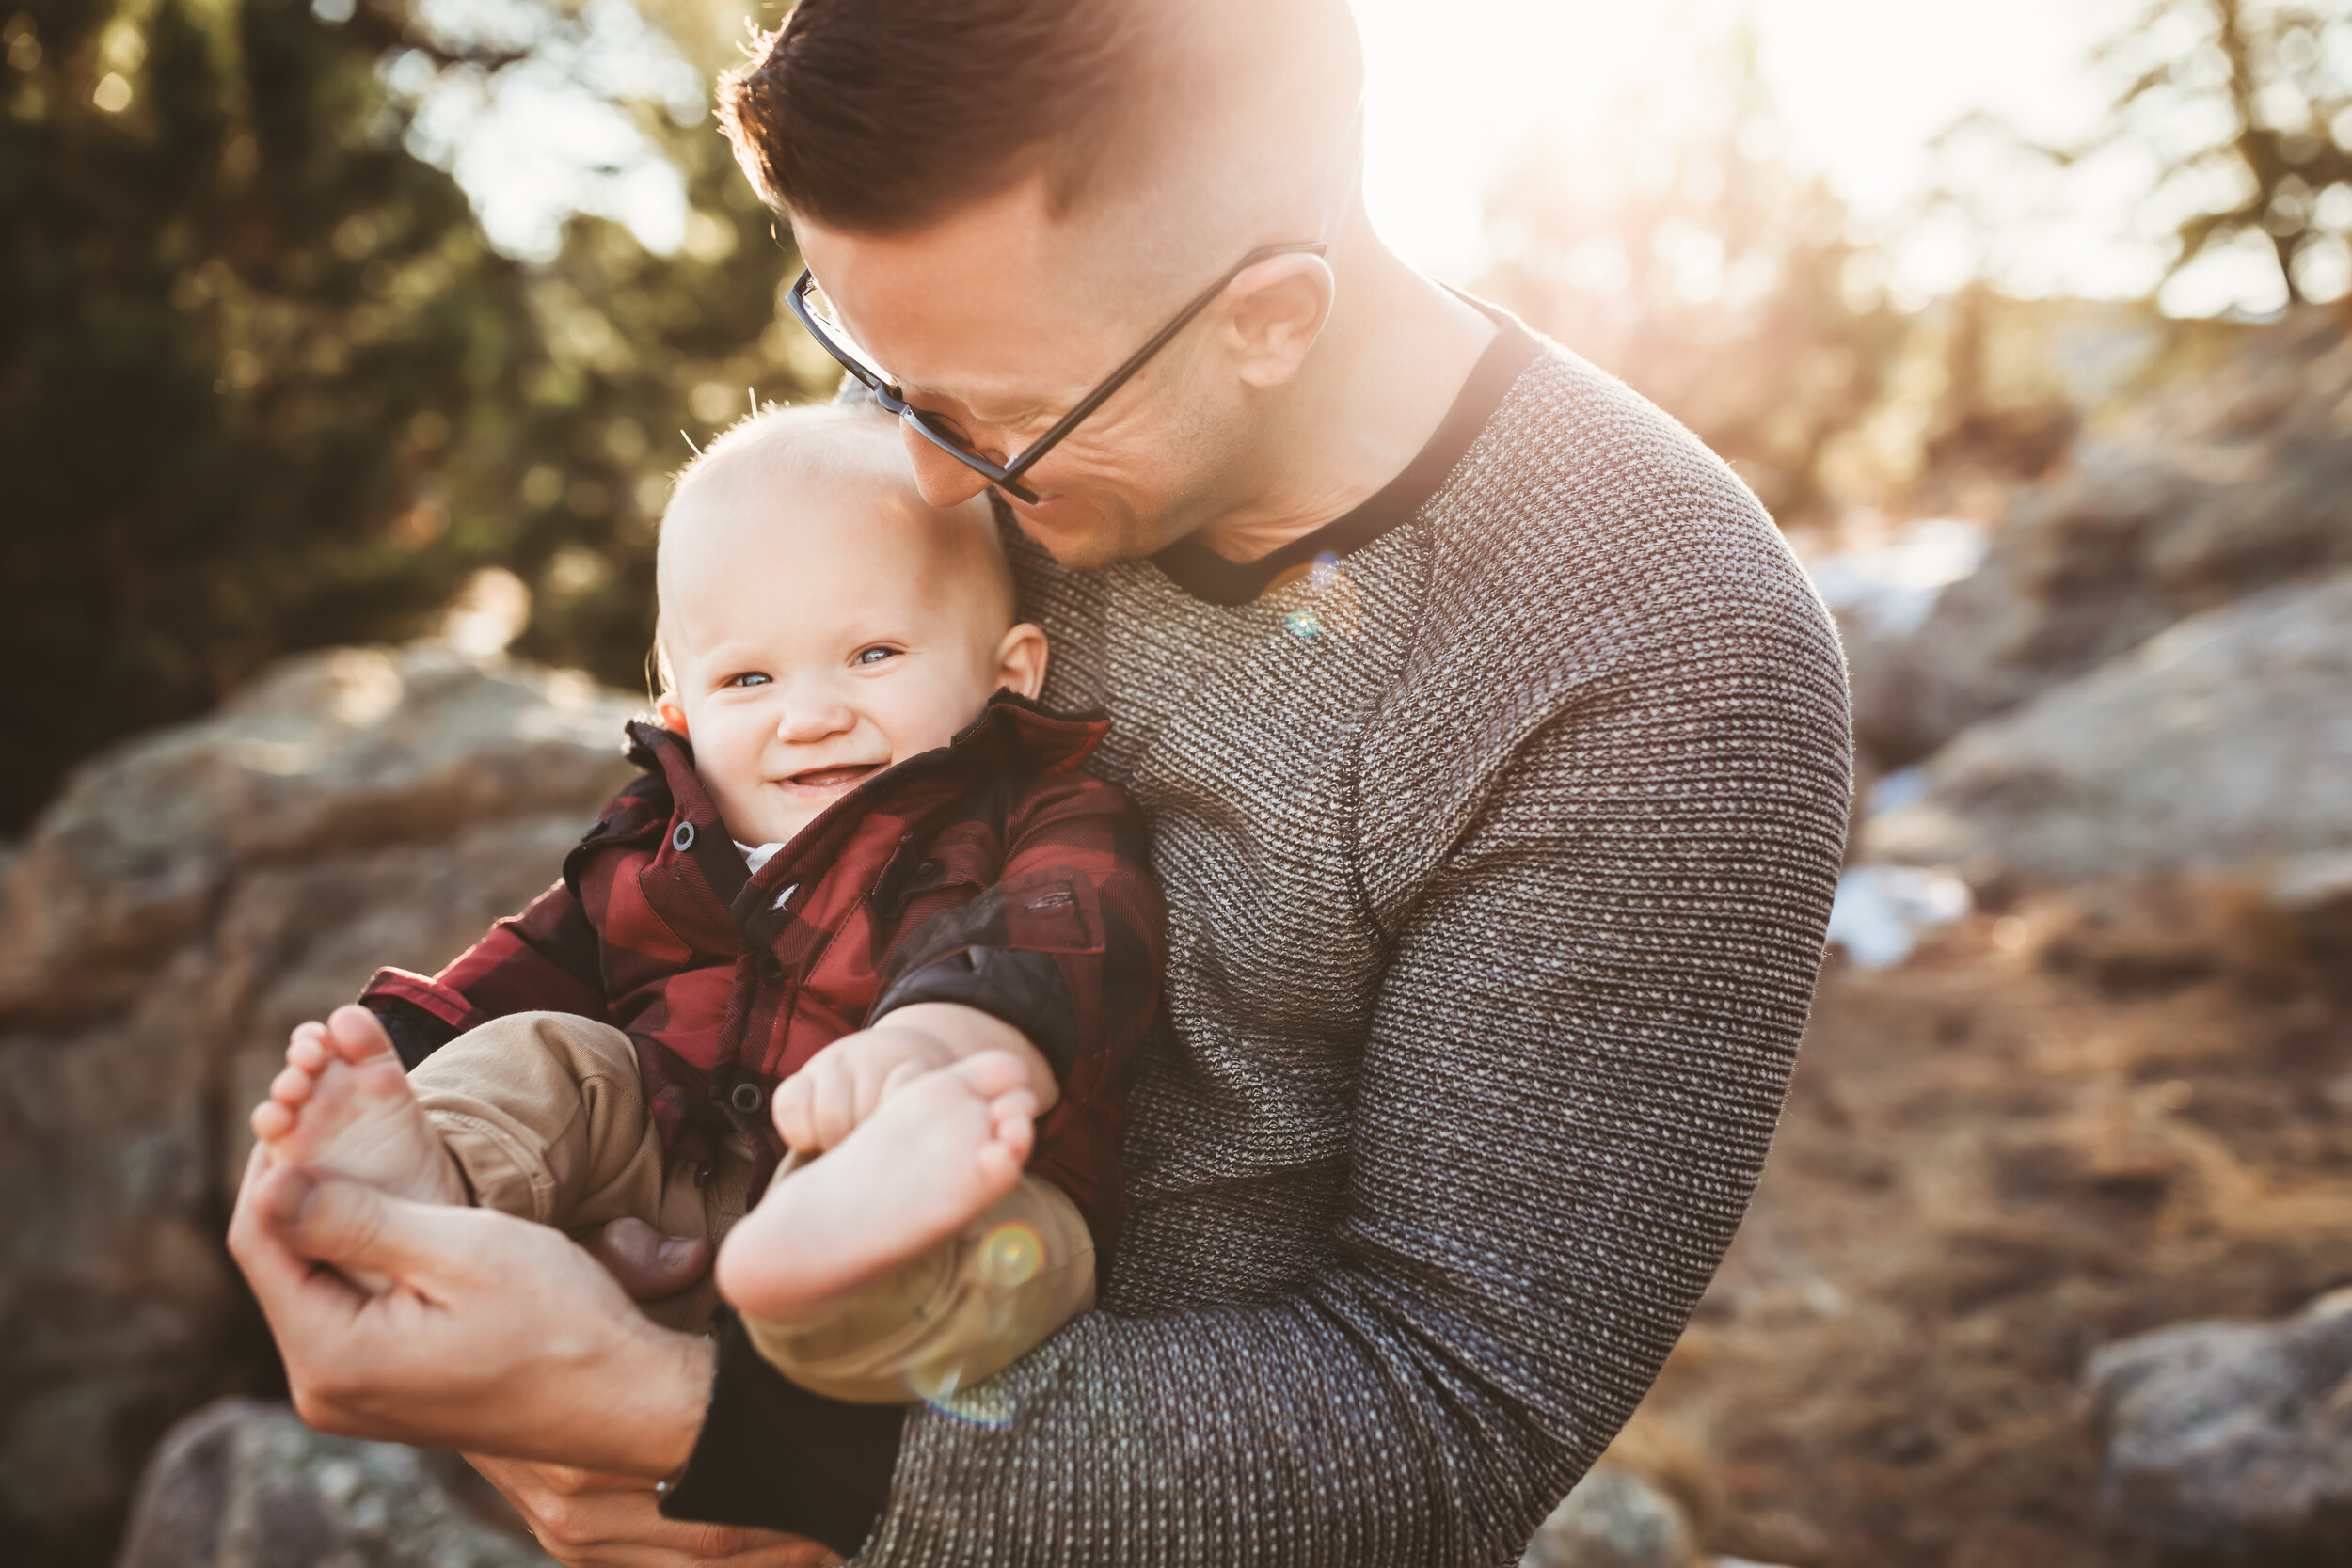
(988, 319)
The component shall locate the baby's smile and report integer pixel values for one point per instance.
(832, 779)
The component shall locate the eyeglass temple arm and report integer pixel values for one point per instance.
(1120, 377)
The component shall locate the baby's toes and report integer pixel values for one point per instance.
(998, 1167)
(292, 1087)
(306, 1051)
(272, 1121)
(790, 1111)
(993, 1072)
(356, 1034)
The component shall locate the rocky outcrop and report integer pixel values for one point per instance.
(185, 902)
(2231, 1441)
(2221, 745)
(1614, 1519)
(2231, 482)
(244, 1484)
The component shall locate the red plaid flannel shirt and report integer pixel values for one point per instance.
(991, 872)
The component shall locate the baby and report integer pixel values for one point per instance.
(860, 905)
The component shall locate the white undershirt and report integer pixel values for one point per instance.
(761, 856)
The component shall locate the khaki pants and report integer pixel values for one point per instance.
(545, 1115)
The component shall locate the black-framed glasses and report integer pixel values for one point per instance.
(939, 433)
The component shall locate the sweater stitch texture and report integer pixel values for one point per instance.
(1498, 856)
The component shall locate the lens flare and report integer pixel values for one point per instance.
(1011, 1255)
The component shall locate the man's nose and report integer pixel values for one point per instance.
(943, 480)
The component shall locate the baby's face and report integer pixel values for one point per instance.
(818, 635)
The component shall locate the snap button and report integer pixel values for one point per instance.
(925, 870)
(682, 837)
(746, 1098)
(771, 967)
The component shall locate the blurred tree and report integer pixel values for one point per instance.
(263, 386)
(1685, 255)
(2246, 109)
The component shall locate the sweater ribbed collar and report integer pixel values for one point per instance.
(1206, 575)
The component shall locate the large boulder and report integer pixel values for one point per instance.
(2231, 1441)
(244, 1484)
(187, 900)
(1613, 1519)
(2230, 480)
(2222, 745)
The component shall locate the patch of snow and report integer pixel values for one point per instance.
(1882, 910)
(1889, 588)
(1906, 787)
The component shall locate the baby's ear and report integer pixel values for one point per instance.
(1020, 659)
(673, 717)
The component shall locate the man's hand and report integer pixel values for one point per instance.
(498, 1336)
(818, 1106)
(588, 1520)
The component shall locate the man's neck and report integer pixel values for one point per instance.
(1383, 376)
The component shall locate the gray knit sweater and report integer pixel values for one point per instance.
(1498, 850)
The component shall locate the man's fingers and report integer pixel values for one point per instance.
(590, 1520)
(648, 1264)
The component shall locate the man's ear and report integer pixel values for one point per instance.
(665, 708)
(1020, 660)
(1276, 310)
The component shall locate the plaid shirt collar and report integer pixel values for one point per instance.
(1013, 734)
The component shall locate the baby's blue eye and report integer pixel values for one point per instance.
(873, 656)
(751, 678)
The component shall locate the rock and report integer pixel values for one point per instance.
(2231, 1441)
(244, 1484)
(326, 751)
(2221, 745)
(187, 900)
(2231, 482)
(1614, 1519)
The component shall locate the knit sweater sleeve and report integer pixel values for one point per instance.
(1574, 1067)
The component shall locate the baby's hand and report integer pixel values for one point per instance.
(816, 1106)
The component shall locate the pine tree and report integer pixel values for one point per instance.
(263, 386)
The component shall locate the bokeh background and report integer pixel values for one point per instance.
(346, 347)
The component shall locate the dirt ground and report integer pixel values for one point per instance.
(2060, 1123)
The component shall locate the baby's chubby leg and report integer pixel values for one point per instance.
(936, 1152)
(343, 1103)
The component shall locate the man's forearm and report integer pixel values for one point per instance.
(664, 1398)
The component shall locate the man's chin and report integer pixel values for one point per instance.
(1080, 538)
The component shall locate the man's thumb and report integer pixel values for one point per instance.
(332, 1219)
(648, 1264)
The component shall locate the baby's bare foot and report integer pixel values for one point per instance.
(929, 1160)
(343, 1104)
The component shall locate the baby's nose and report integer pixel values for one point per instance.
(813, 720)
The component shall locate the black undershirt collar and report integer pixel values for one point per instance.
(1206, 575)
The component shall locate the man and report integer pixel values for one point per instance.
(1495, 753)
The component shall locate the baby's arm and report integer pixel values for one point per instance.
(818, 1106)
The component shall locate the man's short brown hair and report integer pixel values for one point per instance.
(883, 116)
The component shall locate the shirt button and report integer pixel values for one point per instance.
(746, 1098)
(682, 838)
(925, 870)
(771, 967)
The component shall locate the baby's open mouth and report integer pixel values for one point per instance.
(835, 778)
